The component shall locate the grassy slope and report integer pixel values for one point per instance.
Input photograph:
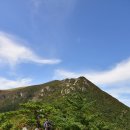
(112, 110)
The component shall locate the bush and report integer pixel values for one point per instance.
(7, 126)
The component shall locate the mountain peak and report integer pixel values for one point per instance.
(82, 77)
(77, 81)
(58, 90)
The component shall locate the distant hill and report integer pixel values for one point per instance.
(110, 109)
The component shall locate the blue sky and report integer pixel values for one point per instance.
(43, 40)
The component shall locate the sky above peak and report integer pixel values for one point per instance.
(43, 40)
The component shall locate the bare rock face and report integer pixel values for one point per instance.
(74, 84)
(39, 92)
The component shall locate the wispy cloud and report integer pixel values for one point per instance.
(54, 5)
(119, 73)
(115, 81)
(9, 84)
(53, 10)
(36, 5)
(13, 52)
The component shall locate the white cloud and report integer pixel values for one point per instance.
(13, 52)
(119, 73)
(9, 84)
(115, 81)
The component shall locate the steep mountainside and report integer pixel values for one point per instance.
(110, 108)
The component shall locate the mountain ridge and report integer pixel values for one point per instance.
(65, 86)
(112, 109)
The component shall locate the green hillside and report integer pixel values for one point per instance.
(71, 104)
